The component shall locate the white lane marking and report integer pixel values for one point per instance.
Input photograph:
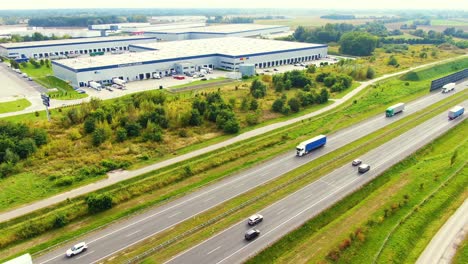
(239, 185)
(211, 198)
(85, 254)
(333, 185)
(309, 195)
(280, 211)
(51, 259)
(296, 215)
(174, 215)
(131, 234)
(213, 250)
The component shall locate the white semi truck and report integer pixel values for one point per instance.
(95, 85)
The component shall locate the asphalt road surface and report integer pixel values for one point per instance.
(118, 236)
(289, 213)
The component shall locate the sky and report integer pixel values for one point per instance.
(320, 4)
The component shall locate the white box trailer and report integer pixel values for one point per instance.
(448, 87)
(395, 109)
(118, 81)
(95, 85)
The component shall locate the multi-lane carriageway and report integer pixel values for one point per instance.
(107, 241)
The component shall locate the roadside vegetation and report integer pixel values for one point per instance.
(462, 253)
(415, 197)
(177, 179)
(14, 106)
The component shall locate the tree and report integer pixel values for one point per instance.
(195, 118)
(370, 73)
(98, 202)
(358, 43)
(253, 105)
(133, 129)
(258, 89)
(89, 125)
(392, 61)
(121, 134)
(277, 105)
(25, 147)
(323, 97)
(294, 105)
(231, 126)
(98, 137)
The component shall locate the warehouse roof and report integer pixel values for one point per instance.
(221, 29)
(187, 49)
(70, 41)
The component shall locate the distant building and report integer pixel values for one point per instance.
(63, 47)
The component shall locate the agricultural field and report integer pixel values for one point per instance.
(354, 230)
(168, 182)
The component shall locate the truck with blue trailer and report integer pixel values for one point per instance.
(311, 144)
(456, 112)
(394, 109)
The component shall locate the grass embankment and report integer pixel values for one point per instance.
(44, 76)
(197, 82)
(353, 230)
(210, 167)
(462, 253)
(14, 106)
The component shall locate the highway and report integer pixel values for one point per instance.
(289, 213)
(116, 237)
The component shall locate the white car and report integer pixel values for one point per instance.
(255, 219)
(77, 249)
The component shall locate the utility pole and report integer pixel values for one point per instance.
(46, 103)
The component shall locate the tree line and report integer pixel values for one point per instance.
(83, 21)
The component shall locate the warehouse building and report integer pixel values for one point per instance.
(51, 48)
(230, 30)
(166, 58)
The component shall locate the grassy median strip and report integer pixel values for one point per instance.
(358, 147)
(14, 106)
(353, 230)
(173, 181)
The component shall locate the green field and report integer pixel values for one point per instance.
(449, 22)
(14, 106)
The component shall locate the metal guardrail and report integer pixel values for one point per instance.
(279, 187)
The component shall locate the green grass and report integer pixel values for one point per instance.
(14, 106)
(298, 245)
(197, 82)
(404, 36)
(44, 76)
(429, 73)
(449, 22)
(462, 253)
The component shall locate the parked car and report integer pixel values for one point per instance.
(275, 69)
(255, 219)
(29, 79)
(77, 249)
(203, 79)
(80, 91)
(251, 234)
(266, 70)
(356, 162)
(363, 168)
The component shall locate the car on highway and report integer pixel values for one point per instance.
(77, 249)
(251, 234)
(363, 168)
(356, 162)
(255, 219)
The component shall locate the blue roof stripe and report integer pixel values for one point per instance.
(76, 43)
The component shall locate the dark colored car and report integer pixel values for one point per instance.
(363, 168)
(255, 219)
(251, 234)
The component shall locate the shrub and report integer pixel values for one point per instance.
(345, 244)
(121, 134)
(64, 181)
(277, 105)
(251, 119)
(60, 221)
(98, 202)
(294, 104)
(99, 136)
(231, 126)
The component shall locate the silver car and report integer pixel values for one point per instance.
(77, 249)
